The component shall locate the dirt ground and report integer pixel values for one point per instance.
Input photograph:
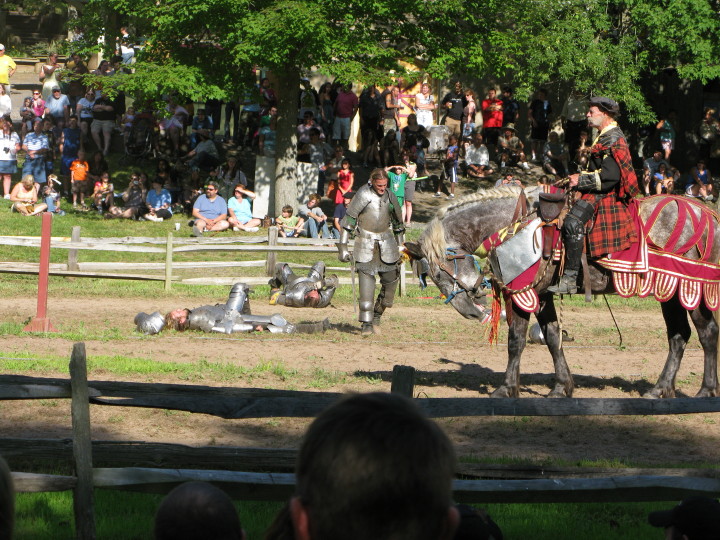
(451, 355)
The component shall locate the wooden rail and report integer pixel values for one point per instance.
(485, 483)
(270, 245)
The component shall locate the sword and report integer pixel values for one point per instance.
(352, 282)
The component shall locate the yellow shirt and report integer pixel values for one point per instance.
(6, 64)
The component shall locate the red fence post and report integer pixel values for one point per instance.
(41, 322)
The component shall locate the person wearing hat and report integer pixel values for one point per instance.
(511, 149)
(339, 214)
(695, 518)
(7, 68)
(607, 187)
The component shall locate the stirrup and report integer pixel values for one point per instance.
(567, 285)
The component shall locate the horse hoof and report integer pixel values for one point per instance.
(505, 392)
(707, 392)
(659, 393)
(560, 392)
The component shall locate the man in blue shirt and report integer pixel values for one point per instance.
(210, 211)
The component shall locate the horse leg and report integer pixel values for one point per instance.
(707, 330)
(678, 334)
(517, 337)
(547, 318)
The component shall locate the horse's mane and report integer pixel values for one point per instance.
(433, 243)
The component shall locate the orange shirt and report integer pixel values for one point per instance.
(79, 170)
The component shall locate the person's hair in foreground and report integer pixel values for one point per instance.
(7, 501)
(373, 466)
(197, 511)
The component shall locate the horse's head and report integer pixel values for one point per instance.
(456, 275)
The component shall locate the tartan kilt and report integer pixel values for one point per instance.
(612, 228)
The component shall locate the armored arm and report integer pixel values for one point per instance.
(348, 224)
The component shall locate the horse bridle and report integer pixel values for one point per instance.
(482, 285)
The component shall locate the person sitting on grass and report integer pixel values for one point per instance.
(210, 211)
(103, 194)
(158, 202)
(289, 225)
(134, 199)
(314, 218)
(196, 510)
(51, 196)
(24, 197)
(240, 210)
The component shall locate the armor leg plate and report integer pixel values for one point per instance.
(367, 293)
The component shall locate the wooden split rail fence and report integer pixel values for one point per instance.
(160, 463)
(271, 245)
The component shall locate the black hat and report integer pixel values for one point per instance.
(607, 105)
(696, 517)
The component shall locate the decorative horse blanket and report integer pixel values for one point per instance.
(646, 268)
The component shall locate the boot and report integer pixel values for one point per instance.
(366, 329)
(573, 253)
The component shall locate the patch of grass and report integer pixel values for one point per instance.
(322, 378)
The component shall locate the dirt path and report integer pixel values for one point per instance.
(451, 355)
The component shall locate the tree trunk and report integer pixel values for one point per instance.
(285, 188)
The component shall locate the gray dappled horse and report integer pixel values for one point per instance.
(463, 226)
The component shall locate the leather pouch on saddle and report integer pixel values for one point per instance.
(550, 210)
(518, 252)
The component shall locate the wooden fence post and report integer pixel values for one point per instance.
(271, 255)
(83, 498)
(72, 263)
(403, 380)
(403, 280)
(168, 261)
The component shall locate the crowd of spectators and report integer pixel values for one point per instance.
(67, 121)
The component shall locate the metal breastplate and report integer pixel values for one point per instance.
(376, 216)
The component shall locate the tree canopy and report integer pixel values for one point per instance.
(209, 48)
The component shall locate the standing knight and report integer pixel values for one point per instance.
(374, 215)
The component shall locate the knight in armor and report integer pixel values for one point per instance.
(314, 290)
(607, 189)
(375, 217)
(228, 318)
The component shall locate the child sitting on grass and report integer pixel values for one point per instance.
(288, 224)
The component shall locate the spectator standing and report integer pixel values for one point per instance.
(27, 115)
(314, 218)
(539, 115)
(425, 106)
(492, 112)
(75, 68)
(397, 176)
(450, 166)
(327, 114)
(240, 210)
(70, 145)
(454, 103)
(346, 107)
(555, 156)
(80, 183)
(708, 130)
(319, 153)
(58, 106)
(469, 114)
(267, 135)
(370, 114)
(103, 122)
(9, 147)
(84, 110)
(511, 107)
(38, 104)
(5, 103)
(391, 106)
(158, 202)
(413, 139)
(210, 211)
(48, 75)
(345, 181)
(7, 68)
(307, 100)
(174, 126)
(574, 120)
(410, 184)
(666, 128)
(269, 98)
(36, 145)
(303, 129)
